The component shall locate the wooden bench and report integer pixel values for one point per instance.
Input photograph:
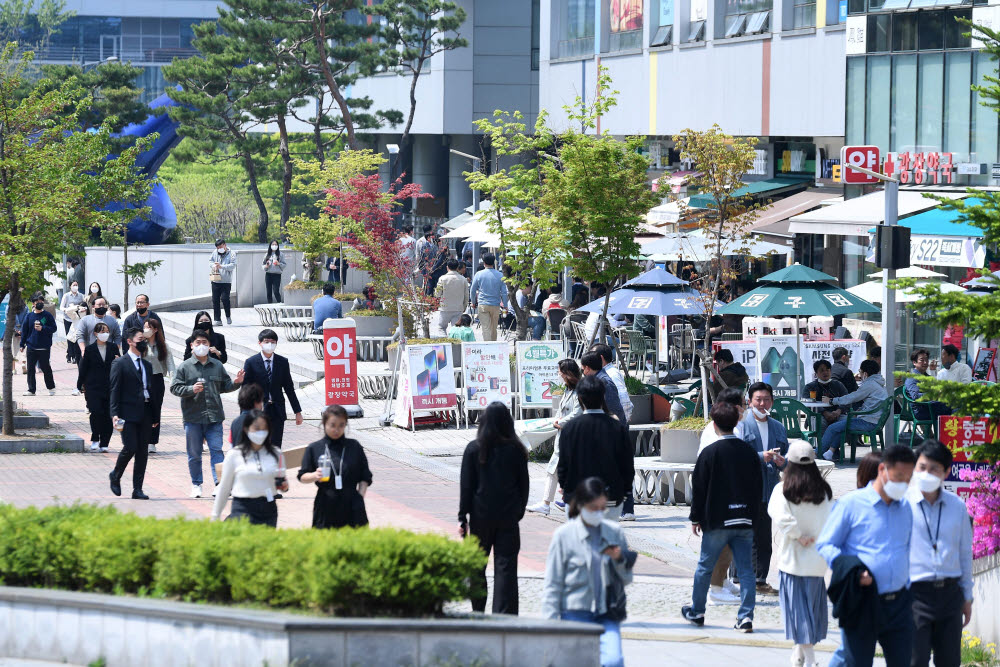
(297, 328)
(649, 478)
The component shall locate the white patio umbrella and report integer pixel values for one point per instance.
(871, 291)
(910, 272)
(477, 229)
(668, 213)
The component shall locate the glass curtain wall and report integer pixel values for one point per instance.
(574, 30)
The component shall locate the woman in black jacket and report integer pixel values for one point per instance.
(95, 383)
(217, 342)
(339, 468)
(494, 493)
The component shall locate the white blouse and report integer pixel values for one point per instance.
(795, 520)
(251, 477)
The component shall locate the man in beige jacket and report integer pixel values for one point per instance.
(453, 291)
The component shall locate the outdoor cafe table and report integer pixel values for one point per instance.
(817, 407)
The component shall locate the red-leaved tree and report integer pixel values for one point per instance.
(367, 212)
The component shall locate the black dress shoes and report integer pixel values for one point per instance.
(116, 485)
(139, 495)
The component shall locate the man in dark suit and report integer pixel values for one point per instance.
(131, 402)
(595, 445)
(142, 313)
(271, 372)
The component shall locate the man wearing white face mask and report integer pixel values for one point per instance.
(824, 386)
(866, 540)
(940, 561)
(271, 372)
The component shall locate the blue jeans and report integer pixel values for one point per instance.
(833, 432)
(195, 434)
(537, 326)
(740, 541)
(611, 640)
(895, 635)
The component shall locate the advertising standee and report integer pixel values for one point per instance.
(538, 372)
(486, 374)
(340, 368)
(958, 433)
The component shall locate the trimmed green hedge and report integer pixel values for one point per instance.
(346, 572)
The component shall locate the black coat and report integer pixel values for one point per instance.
(335, 508)
(595, 445)
(498, 490)
(845, 376)
(95, 372)
(218, 342)
(855, 605)
(727, 486)
(281, 384)
(134, 322)
(127, 399)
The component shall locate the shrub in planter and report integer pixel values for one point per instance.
(360, 571)
(642, 400)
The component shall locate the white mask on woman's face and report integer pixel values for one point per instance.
(257, 437)
(103, 337)
(591, 517)
(274, 247)
(95, 290)
(74, 289)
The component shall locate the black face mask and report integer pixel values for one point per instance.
(100, 312)
(40, 306)
(206, 326)
(141, 311)
(141, 347)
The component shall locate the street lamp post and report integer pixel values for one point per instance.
(891, 193)
(476, 166)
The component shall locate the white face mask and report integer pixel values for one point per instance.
(274, 247)
(74, 289)
(268, 347)
(895, 490)
(200, 350)
(760, 413)
(257, 437)
(147, 333)
(103, 337)
(826, 381)
(95, 290)
(927, 482)
(591, 517)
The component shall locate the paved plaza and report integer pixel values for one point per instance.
(415, 487)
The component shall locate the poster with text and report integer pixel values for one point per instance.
(486, 374)
(957, 433)
(985, 366)
(814, 350)
(432, 377)
(538, 372)
(778, 363)
(744, 352)
(340, 366)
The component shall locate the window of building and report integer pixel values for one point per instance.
(878, 32)
(625, 23)
(696, 32)
(957, 101)
(662, 22)
(536, 39)
(904, 32)
(931, 88)
(804, 14)
(912, 31)
(747, 17)
(855, 128)
(877, 102)
(572, 28)
(903, 130)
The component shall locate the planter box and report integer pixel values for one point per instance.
(985, 622)
(642, 409)
(374, 325)
(298, 297)
(30, 420)
(677, 446)
(63, 626)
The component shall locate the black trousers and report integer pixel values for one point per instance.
(504, 539)
(937, 621)
(272, 283)
(99, 404)
(135, 443)
(277, 431)
(894, 634)
(72, 349)
(39, 358)
(156, 392)
(762, 544)
(220, 293)
(256, 510)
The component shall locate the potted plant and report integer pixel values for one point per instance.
(679, 442)
(301, 293)
(642, 400)
(374, 322)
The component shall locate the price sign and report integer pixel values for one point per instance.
(958, 433)
(486, 374)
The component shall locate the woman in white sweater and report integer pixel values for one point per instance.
(252, 471)
(799, 507)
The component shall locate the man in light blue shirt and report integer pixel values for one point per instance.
(326, 307)
(874, 524)
(488, 294)
(940, 561)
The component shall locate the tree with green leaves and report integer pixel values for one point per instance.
(109, 89)
(55, 185)
(41, 18)
(536, 247)
(596, 190)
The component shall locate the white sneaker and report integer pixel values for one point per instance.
(75, 392)
(94, 446)
(195, 491)
(540, 508)
(28, 393)
(627, 516)
(717, 595)
(731, 587)
(52, 392)
(104, 449)
(828, 455)
(152, 449)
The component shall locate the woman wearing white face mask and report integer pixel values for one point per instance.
(253, 471)
(73, 308)
(273, 265)
(588, 567)
(95, 383)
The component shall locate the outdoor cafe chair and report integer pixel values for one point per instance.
(791, 413)
(874, 439)
(927, 427)
(554, 319)
(639, 351)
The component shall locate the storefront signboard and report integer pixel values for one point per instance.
(940, 251)
(957, 433)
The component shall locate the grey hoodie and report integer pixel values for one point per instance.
(872, 391)
(227, 264)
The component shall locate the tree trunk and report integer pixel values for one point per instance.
(319, 39)
(318, 129)
(286, 174)
(255, 191)
(8, 359)
(413, 102)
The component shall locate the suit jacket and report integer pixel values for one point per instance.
(281, 381)
(127, 399)
(95, 372)
(611, 396)
(134, 321)
(595, 445)
(777, 438)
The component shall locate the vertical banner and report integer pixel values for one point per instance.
(340, 362)
(957, 433)
(778, 364)
(814, 350)
(432, 377)
(985, 366)
(662, 340)
(486, 374)
(537, 372)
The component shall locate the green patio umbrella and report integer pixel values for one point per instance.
(797, 291)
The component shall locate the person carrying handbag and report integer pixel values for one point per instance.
(273, 265)
(221, 265)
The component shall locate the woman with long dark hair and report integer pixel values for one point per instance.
(93, 294)
(589, 557)
(216, 341)
(95, 382)
(569, 407)
(494, 492)
(273, 265)
(159, 357)
(799, 506)
(253, 472)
